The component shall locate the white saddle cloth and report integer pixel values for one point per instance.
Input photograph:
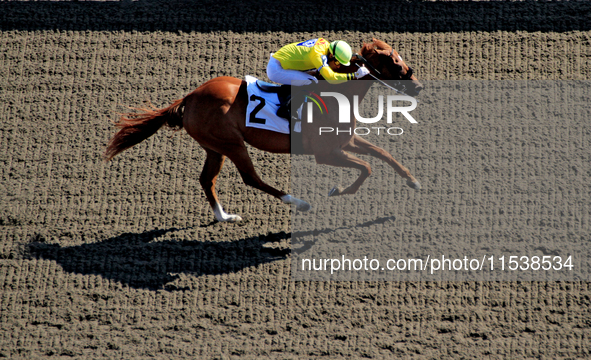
(261, 112)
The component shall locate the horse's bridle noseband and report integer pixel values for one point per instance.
(409, 72)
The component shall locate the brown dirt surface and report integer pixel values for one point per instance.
(122, 259)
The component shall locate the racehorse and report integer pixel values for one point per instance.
(214, 114)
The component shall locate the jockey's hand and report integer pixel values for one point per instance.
(361, 72)
(324, 62)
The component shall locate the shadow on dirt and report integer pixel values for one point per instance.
(141, 261)
(300, 16)
(303, 241)
(329, 230)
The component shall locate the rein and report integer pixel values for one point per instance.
(383, 83)
(370, 66)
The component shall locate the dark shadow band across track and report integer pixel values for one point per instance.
(372, 16)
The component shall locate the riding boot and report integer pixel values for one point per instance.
(284, 95)
(295, 98)
(297, 102)
(284, 110)
(298, 99)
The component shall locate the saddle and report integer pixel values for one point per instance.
(274, 88)
(284, 93)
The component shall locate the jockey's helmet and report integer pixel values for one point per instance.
(341, 51)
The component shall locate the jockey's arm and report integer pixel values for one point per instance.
(320, 61)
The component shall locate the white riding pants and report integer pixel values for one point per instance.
(278, 74)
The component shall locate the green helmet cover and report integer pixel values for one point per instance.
(341, 51)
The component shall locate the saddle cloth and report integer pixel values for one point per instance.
(261, 112)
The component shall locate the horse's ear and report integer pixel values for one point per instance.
(376, 43)
(381, 45)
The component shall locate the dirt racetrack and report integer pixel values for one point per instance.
(123, 259)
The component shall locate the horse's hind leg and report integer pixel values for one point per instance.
(241, 159)
(340, 158)
(209, 175)
(364, 147)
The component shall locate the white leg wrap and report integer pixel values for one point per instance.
(221, 215)
(301, 205)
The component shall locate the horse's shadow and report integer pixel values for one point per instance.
(300, 245)
(141, 261)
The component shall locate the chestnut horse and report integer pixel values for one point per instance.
(215, 114)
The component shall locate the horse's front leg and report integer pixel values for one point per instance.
(364, 147)
(340, 158)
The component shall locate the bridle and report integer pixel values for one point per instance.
(407, 76)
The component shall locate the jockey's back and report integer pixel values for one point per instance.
(311, 54)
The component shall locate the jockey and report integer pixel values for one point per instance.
(294, 63)
(290, 64)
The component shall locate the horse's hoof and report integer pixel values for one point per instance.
(304, 207)
(231, 218)
(335, 191)
(413, 184)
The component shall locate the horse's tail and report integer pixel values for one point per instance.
(137, 127)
